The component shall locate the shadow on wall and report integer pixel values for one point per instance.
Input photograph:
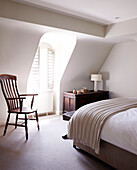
(106, 77)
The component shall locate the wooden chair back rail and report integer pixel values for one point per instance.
(9, 88)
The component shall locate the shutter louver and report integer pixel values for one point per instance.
(50, 76)
(38, 62)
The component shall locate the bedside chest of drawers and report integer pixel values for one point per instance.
(72, 102)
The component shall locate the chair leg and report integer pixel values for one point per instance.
(6, 125)
(37, 120)
(16, 121)
(26, 127)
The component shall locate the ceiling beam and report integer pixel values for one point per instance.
(124, 28)
(32, 14)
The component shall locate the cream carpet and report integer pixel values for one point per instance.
(45, 149)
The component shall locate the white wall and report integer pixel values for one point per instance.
(120, 70)
(18, 45)
(88, 57)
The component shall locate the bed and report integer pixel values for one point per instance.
(108, 130)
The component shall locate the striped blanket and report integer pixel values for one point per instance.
(87, 122)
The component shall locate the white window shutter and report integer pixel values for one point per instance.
(41, 79)
(50, 68)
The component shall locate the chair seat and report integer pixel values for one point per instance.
(25, 110)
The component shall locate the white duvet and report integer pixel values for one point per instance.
(121, 130)
(113, 120)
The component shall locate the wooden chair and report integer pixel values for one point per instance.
(14, 102)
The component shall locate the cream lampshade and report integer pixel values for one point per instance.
(95, 78)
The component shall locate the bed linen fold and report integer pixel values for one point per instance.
(87, 122)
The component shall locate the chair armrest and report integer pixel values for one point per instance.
(28, 94)
(32, 101)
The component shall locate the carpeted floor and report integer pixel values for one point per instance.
(44, 150)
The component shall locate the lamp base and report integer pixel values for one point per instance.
(95, 86)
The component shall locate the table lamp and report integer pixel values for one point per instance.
(96, 78)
